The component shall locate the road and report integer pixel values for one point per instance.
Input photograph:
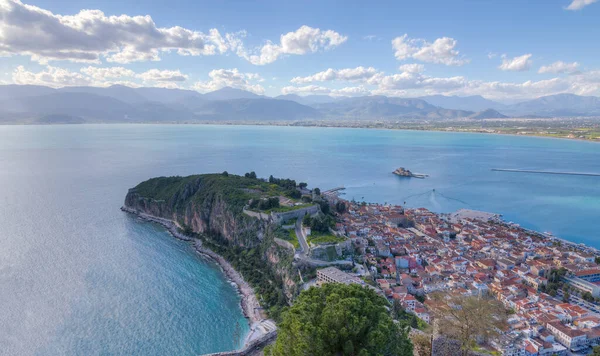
(302, 239)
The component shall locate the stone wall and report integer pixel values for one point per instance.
(281, 217)
(258, 215)
(294, 214)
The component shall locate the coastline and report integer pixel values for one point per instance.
(300, 124)
(248, 302)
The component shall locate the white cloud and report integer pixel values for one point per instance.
(98, 77)
(319, 90)
(168, 85)
(410, 78)
(559, 67)
(441, 51)
(347, 74)
(90, 34)
(52, 76)
(98, 73)
(580, 4)
(516, 64)
(155, 75)
(302, 41)
(412, 68)
(411, 83)
(220, 78)
(370, 37)
(491, 55)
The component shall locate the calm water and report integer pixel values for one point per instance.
(78, 276)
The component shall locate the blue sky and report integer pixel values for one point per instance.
(505, 50)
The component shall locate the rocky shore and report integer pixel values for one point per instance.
(249, 302)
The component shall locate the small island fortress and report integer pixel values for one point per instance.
(403, 172)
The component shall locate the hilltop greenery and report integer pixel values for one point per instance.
(338, 319)
(237, 191)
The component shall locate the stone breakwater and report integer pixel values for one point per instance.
(261, 330)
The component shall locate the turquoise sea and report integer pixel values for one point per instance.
(80, 277)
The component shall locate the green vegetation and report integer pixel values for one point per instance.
(555, 281)
(251, 175)
(264, 204)
(289, 236)
(321, 238)
(237, 191)
(251, 265)
(587, 296)
(289, 185)
(340, 207)
(319, 224)
(291, 221)
(320, 229)
(338, 319)
(179, 191)
(407, 319)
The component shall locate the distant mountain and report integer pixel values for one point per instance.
(74, 104)
(91, 108)
(168, 96)
(382, 107)
(136, 95)
(487, 114)
(261, 109)
(38, 104)
(119, 92)
(558, 105)
(470, 103)
(229, 93)
(19, 91)
(308, 99)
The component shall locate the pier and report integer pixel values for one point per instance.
(334, 190)
(546, 172)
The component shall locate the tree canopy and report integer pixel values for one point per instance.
(469, 319)
(338, 319)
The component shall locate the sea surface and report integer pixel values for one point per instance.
(80, 277)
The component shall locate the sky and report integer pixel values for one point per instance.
(501, 49)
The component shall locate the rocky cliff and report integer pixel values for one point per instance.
(210, 207)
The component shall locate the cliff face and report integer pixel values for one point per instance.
(211, 205)
(206, 217)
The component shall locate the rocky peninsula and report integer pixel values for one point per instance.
(207, 210)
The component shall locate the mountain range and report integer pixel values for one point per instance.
(39, 104)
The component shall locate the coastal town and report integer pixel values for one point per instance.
(544, 292)
(549, 286)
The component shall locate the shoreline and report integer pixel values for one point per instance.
(248, 301)
(294, 124)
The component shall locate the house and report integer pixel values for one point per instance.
(573, 339)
